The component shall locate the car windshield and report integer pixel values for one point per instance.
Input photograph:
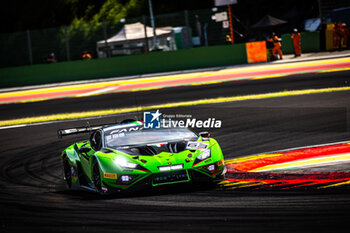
(131, 136)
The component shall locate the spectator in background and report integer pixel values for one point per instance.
(86, 55)
(51, 58)
(228, 39)
(269, 47)
(276, 46)
(199, 29)
(337, 31)
(296, 43)
(345, 36)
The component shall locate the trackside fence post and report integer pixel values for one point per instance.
(29, 48)
(67, 42)
(188, 28)
(105, 38)
(145, 28)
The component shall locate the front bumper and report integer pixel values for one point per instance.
(196, 175)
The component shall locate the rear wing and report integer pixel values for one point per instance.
(66, 132)
(88, 129)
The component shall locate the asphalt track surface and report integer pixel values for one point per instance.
(33, 196)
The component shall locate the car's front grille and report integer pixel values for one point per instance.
(170, 177)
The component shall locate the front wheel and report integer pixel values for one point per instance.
(96, 175)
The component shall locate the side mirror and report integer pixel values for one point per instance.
(84, 149)
(204, 134)
(96, 140)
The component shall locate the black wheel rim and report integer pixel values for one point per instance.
(67, 172)
(96, 176)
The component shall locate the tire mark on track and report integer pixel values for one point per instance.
(31, 170)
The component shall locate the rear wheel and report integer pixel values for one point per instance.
(67, 168)
(96, 176)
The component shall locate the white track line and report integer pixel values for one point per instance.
(107, 89)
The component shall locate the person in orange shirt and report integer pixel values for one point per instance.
(296, 43)
(276, 46)
(86, 56)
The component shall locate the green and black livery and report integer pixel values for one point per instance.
(127, 157)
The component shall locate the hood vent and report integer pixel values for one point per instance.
(155, 150)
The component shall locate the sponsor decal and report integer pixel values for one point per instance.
(192, 123)
(121, 132)
(153, 120)
(109, 175)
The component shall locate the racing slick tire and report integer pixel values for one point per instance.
(96, 176)
(67, 169)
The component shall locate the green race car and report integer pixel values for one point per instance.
(126, 157)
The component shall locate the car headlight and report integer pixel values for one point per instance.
(205, 154)
(122, 162)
